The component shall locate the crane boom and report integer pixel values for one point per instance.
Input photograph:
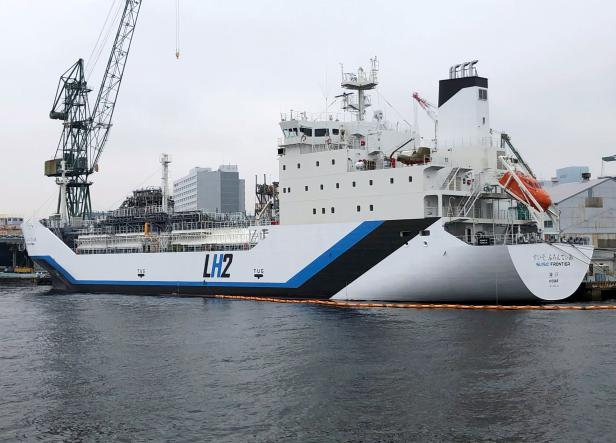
(432, 112)
(84, 134)
(430, 109)
(108, 93)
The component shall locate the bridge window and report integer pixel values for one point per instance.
(483, 94)
(317, 163)
(337, 185)
(305, 188)
(333, 210)
(370, 182)
(321, 132)
(284, 167)
(333, 161)
(353, 184)
(391, 180)
(291, 132)
(410, 178)
(299, 165)
(306, 131)
(321, 187)
(358, 208)
(335, 131)
(322, 210)
(314, 211)
(372, 207)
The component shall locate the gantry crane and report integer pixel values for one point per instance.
(85, 133)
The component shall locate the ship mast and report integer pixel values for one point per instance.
(359, 82)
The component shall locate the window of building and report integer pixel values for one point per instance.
(321, 187)
(370, 182)
(322, 210)
(333, 210)
(299, 165)
(391, 180)
(358, 208)
(305, 188)
(410, 178)
(337, 185)
(353, 184)
(314, 211)
(317, 163)
(335, 131)
(333, 161)
(372, 207)
(483, 94)
(321, 132)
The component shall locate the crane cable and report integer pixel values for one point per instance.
(100, 34)
(177, 29)
(100, 44)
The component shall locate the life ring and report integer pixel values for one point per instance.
(303, 139)
(328, 141)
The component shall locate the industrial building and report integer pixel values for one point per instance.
(587, 210)
(12, 246)
(203, 189)
(569, 174)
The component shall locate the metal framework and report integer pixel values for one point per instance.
(84, 134)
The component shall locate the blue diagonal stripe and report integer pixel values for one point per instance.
(313, 268)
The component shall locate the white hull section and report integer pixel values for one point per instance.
(443, 268)
(350, 261)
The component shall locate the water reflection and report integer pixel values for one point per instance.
(109, 367)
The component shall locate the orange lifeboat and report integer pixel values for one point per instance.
(532, 186)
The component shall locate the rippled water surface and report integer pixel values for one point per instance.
(108, 367)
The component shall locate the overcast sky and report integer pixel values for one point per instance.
(551, 66)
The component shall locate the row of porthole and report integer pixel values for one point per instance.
(370, 182)
(317, 163)
(333, 209)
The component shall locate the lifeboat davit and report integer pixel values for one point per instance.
(531, 185)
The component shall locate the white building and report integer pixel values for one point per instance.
(210, 191)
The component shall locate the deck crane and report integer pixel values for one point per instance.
(430, 109)
(85, 133)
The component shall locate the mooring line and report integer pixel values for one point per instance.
(347, 304)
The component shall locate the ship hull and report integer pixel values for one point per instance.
(392, 260)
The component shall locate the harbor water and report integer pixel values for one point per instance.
(125, 368)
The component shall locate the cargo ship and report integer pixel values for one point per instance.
(365, 209)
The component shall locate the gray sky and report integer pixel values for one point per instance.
(551, 66)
